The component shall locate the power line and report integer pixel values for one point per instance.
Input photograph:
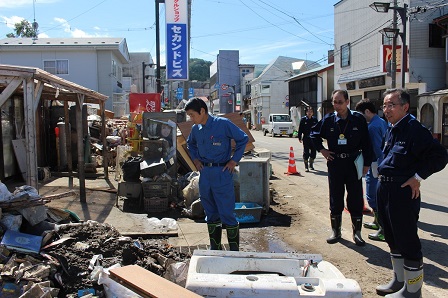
(296, 20)
(276, 25)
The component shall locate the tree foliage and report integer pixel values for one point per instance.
(23, 29)
(199, 70)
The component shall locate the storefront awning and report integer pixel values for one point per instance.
(360, 74)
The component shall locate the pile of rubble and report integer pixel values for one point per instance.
(73, 256)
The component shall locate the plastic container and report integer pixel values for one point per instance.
(155, 204)
(214, 273)
(247, 212)
(156, 189)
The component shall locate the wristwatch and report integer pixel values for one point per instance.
(418, 178)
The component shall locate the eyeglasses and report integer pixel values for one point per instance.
(390, 106)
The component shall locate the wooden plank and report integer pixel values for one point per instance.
(148, 284)
(80, 145)
(183, 153)
(9, 90)
(68, 144)
(146, 235)
(30, 133)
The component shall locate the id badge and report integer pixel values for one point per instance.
(342, 141)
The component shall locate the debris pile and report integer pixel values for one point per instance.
(70, 257)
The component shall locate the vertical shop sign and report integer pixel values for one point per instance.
(176, 40)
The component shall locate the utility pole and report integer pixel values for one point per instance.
(404, 52)
(393, 65)
(186, 84)
(158, 81)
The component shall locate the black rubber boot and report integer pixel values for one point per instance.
(311, 164)
(373, 225)
(233, 236)
(413, 280)
(397, 281)
(336, 222)
(306, 165)
(357, 224)
(215, 232)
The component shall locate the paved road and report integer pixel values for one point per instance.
(433, 216)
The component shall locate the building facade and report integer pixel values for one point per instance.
(225, 82)
(96, 63)
(362, 54)
(311, 88)
(269, 90)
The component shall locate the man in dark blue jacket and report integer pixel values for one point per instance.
(305, 125)
(347, 138)
(410, 155)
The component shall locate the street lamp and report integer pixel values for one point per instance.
(393, 33)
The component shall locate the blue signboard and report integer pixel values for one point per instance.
(180, 93)
(177, 52)
(190, 92)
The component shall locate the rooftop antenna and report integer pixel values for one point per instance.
(35, 24)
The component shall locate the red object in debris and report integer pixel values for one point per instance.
(56, 132)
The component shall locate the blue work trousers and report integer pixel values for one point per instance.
(217, 195)
(342, 175)
(371, 185)
(399, 214)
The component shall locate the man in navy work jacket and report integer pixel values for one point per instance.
(209, 144)
(347, 137)
(410, 155)
(305, 125)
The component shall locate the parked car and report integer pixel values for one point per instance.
(278, 124)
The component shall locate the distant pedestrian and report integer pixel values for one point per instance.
(306, 122)
(377, 131)
(209, 144)
(410, 155)
(347, 138)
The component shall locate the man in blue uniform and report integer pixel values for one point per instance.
(209, 144)
(377, 130)
(411, 155)
(305, 125)
(347, 137)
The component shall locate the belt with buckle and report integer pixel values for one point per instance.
(396, 179)
(345, 155)
(214, 164)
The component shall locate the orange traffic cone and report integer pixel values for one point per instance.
(292, 170)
